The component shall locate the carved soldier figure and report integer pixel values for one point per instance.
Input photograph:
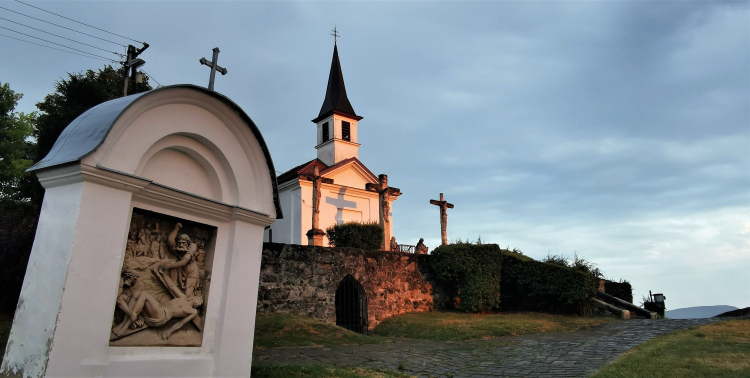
(201, 258)
(421, 249)
(155, 243)
(188, 273)
(143, 246)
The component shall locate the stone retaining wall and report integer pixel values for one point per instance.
(302, 280)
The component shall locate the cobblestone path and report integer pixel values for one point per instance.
(562, 354)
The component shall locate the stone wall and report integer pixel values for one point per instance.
(302, 280)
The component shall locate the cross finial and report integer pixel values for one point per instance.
(214, 67)
(335, 34)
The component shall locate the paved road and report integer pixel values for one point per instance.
(562, 354)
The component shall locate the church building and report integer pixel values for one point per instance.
(349, 191)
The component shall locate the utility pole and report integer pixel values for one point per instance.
(131, 66)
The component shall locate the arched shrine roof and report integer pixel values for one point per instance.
(86, 133)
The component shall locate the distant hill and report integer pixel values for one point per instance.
(698, 312)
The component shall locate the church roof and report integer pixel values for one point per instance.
(307, 169)
(336, 100)
(301, 169)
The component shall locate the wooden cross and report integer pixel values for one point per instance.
(214, 67)
(444, 206)
(384, 196)
(315, 235)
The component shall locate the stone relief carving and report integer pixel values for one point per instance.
(164, 282)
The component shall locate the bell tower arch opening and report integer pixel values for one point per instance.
(351, 305)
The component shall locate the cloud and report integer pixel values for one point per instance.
(618, 130)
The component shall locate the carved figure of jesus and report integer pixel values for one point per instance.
(385, 198)
(156, 314)
(316, 181)
(444, 206)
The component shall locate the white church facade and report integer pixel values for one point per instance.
(349, 190)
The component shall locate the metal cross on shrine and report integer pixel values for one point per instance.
(214, 67)
(444, 206)
(315, 235)
(384, 193)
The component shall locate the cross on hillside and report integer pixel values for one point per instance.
(444, 206)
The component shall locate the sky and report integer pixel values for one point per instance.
(618, 131)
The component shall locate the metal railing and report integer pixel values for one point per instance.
(406, 248)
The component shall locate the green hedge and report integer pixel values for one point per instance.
(621, 290)
(480, 276)
(470, 273)
(356, 235)
(528, 284)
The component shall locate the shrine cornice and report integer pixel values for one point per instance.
(150, 191)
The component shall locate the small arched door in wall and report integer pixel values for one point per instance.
(351, 305)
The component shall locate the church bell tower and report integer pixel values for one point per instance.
(336, 122)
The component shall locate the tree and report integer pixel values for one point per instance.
(19, 216)
(72, 97)
(15, 128)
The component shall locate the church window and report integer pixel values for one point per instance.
(325, 132)
(345, 135)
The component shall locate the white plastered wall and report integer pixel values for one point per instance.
(63, 322)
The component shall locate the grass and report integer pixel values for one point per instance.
(283, 330)
(458, 326)
(321, 371)
(713, 350)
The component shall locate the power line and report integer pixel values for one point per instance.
(72, 40)
(70, 19)
(55, 48)
(152, 78)
(64, 27)
(55, 43)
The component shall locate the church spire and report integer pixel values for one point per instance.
(336, 100)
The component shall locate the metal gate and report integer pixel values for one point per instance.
(351, 305)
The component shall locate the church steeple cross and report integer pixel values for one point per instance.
(335, 34)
